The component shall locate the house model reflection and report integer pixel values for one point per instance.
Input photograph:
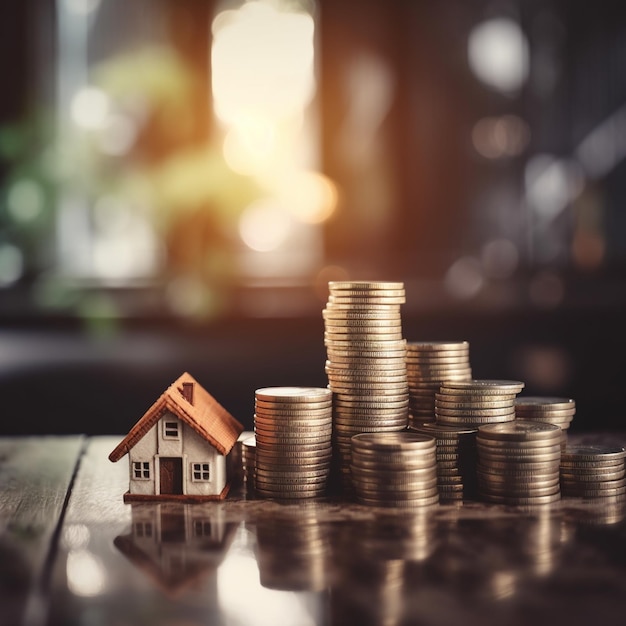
(177, 546)
(177, 450)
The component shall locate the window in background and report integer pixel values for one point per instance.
(182, 154)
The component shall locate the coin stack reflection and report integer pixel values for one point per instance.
(593, 472)
(559, 411)
(428, 364)
(366, 363)
(293, 428)
(395, 469)
(293, 551)
(476, 402)
(518, 462)
(456, 459)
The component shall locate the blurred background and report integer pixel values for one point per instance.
(180, 179)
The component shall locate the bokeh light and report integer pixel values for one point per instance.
(265, 225)
(90, 107)
(498, 54)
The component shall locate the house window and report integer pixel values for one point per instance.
(143, 529)
(202, 528)
(170, 430)
(200, 472)
(141, 470)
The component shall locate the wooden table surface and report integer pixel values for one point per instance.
(71, 552)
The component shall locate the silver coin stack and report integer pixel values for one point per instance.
(518, 462)
(593, 472)
(293, 429)
(476, 402)
(456, 459)
(366, 363)
(394, 469)
(428, 364)
(559, 411)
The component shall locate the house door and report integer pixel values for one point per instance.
(171, 474)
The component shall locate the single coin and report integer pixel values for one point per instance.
(591, 465)
(288, 394)
(443, 431)
(363, 285)
(372, 397)
(437, 346)
(473, 421)
(443, 401)
(293, 405)
(374, 464)
(538, 403)
(520, 430)
(314, 427)
(492, 386)
(593, 453)
(471, 397)
(347, 324)
(519, 469)
(367, 293)
(393, 441)
(390, 314)
(585, 478)
(439, 410)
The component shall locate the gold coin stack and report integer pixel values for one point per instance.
(456, 459)
(518, 462)
(394, 469)
(428, 365)
(366, 363)
(293, 429)
(593, 472)
(476, 402)
(559, 411)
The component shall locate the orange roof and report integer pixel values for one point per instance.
(206, 416)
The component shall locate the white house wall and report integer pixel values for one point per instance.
(144, 451)
(190, 446)
(198, 450)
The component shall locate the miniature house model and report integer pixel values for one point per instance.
(177, 450)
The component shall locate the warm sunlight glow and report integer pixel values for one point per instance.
(262, 62)
(264, 225)
(311, 197)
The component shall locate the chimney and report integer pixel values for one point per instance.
(187, 392)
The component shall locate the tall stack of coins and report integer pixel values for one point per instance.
(293, 429)
(559, 411)
(476, 402)
(593, 472)
(518, 462)
(366, 363)
(456, 459)
(428, 364)
(396, 469)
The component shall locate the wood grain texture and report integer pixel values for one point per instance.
(35, 476)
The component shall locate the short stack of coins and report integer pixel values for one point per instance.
(428, 365)
(366, 363)
(475, 403)
(559, 411)
(394, 469)
(293, 429)
(518, 462)
(593, 472)
(456, 459)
